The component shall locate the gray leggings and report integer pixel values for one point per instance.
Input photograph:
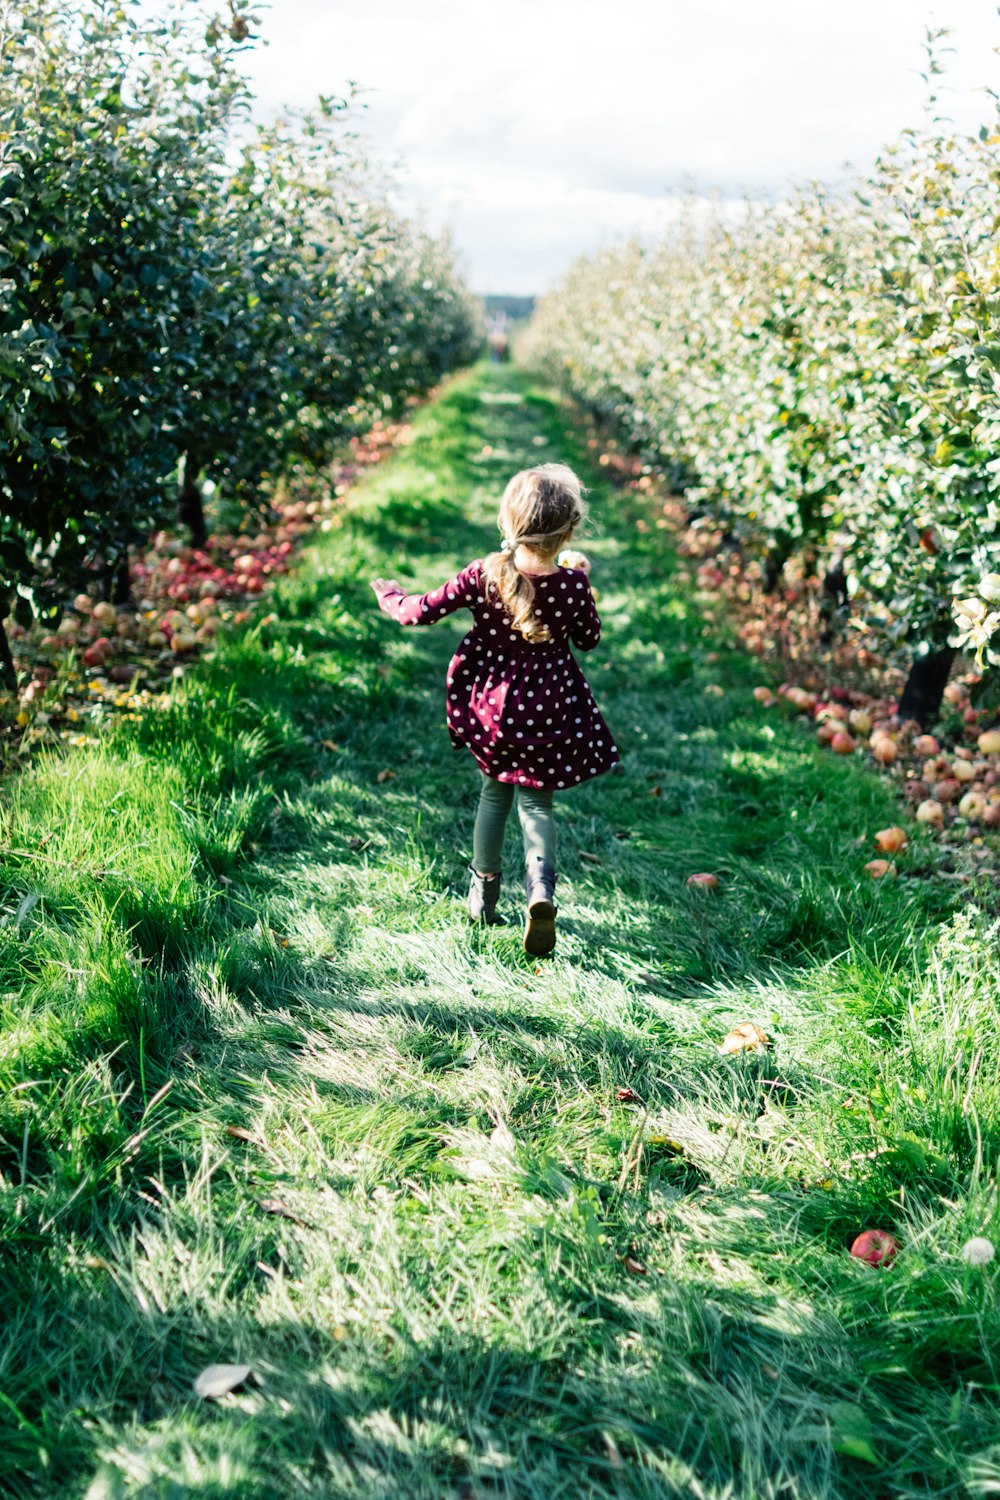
(538, 826)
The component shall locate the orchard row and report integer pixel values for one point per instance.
(185, 299)
(821, 379)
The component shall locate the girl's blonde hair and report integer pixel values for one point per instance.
(539, 509)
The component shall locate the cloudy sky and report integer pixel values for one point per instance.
(539, 129)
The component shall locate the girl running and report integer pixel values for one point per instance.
(516, 696)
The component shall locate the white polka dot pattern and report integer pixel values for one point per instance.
(496, 678)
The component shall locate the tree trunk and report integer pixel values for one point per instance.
(834, 599)
(121, 582)
(835, 582)
(189, 506)
(925, 686)
(7, 671)
(774, 563)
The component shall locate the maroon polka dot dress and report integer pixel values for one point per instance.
(525, 711)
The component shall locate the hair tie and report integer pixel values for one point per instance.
(510, 544)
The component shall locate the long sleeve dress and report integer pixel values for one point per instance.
(525, 711)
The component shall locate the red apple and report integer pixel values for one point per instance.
(875, 1246)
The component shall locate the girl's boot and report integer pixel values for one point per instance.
(484, 891)
(539, 885)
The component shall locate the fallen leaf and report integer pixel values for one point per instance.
(656, 791)
(627, 1096)
(96, 1263)
(218, 1380)
(665, 1143)
(356, 841)
(592, 859)
(747, 1037)
(329, 744)
(385, 776)
(240, 1133)
(275, 1206)
(635, 1266)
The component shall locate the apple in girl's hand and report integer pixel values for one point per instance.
(569, 558)
(382, 585)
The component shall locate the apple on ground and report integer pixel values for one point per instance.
(884, 749)
(843, 743)
(875, 1246)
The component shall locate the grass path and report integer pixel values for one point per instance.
(266, 1098)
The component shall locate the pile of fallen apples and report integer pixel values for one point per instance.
(99, 655)
(955, 787)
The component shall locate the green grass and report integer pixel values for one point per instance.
(266, 1098)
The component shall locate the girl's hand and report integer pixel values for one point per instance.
(573, 559)
(383, 585)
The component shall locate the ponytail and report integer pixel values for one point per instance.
(539, 509)
(516, 593)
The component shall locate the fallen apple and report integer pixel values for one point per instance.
(948, 789)
(891, 840)
(703, 881)
(930, 811)
(876, 1247)
(843, 743)
(879, 868)
(972, 805)
(925, 744)
(884, 750)
(96, 655)
(961, 770)
(989, 742)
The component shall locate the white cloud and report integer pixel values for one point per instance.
(538, 128)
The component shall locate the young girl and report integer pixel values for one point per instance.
(516, 696)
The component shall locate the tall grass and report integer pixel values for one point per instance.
(267, 1099)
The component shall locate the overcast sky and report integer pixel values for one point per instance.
(539, 129)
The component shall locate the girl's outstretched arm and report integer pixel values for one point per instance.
(460, 592)
(585, 631)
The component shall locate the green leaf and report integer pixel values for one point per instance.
(852, 1432)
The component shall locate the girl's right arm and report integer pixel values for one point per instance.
(459, 592)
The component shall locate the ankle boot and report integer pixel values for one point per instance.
(540, 931)
(484, 891)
